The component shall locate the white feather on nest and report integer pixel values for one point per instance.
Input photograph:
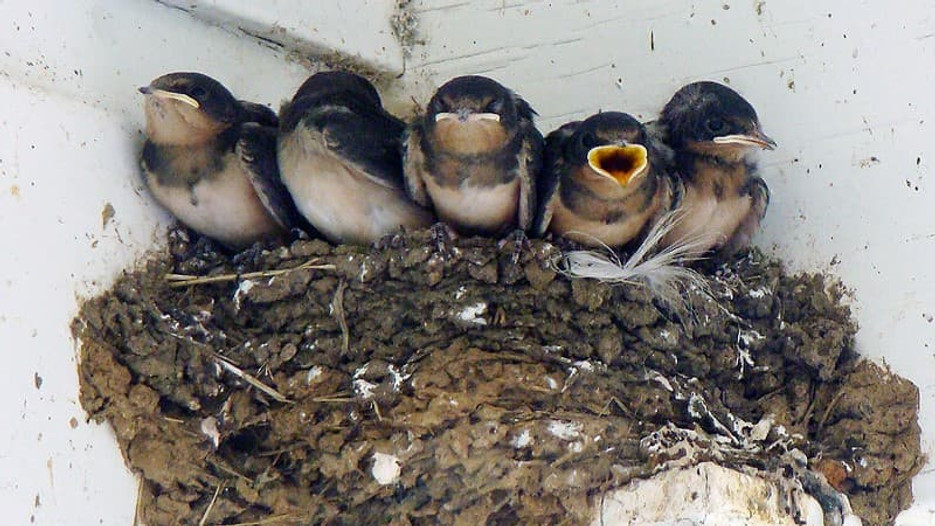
(662, 271)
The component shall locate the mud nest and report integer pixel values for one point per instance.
(407, 385)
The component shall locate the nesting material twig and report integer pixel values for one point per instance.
(333, 400)
(214, 499)
(616, 401)
(827, 414)
(250, 379)
(185, 280)
(219, 464)
(269, 520)
(139, 502)
(337, 309)
(661, 270)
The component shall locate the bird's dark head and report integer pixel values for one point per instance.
(329, 91)
(334, 82)
(611, 145)
(474, 114)
(710, 118)
(188, 108)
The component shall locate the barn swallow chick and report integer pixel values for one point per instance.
(211, 160)
(713, 131)
(339, 152)
(475, 156)
(603, 181)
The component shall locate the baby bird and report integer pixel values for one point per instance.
(604, 180)
(474, 157)
(339, 153)
(211, 160)
(712, 130)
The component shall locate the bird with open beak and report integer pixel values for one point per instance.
(474, 157)
(211, 160)
(713, 131)
(339, 152)
(604, 180)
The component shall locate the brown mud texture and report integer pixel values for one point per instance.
(414, 383)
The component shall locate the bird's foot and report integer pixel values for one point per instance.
(442, 239)
(391, 240)
(250, 258)
(519, 240)
(299, 234)
(511, 270)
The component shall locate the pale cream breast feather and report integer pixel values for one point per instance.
(704, 216)
(337, 198)
(224, 206)
(476, 207)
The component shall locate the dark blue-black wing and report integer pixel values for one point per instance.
(553, 165)
(360, 133)
(414, 170)
(529, 171)
(256, 150)
(371, 139)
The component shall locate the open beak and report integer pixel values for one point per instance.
(757, 138)
(163, 94)
(466, 116)
(620, 163)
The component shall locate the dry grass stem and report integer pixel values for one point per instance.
(185, 280)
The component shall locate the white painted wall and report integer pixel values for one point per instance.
(360, 29)
(835, 91)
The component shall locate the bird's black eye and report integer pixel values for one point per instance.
(589, 140)
(715, 124)
(198, 92)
